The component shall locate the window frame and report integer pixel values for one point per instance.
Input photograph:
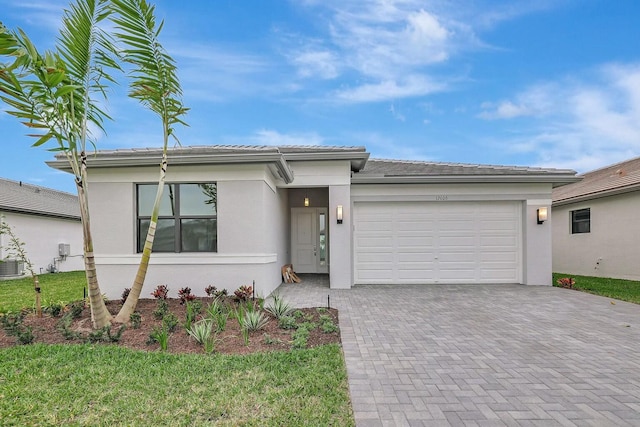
(577, 224)
(177, 218)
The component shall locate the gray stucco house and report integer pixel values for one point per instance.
(595, 228)
(47, 221)
(235, 214)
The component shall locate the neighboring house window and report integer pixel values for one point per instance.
(581, 221)
(187, 221)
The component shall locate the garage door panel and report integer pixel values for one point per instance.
(414, 241)
(498, 241)
(429, 242)
(495, 256)
(461, 256)
(458, 274)
(375, 242)
(375, 257)
(458, 241)
(489, 274)
(408, 276)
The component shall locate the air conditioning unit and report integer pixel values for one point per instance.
(10, 267)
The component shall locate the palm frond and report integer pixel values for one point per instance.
(88, 54)
(154, 80)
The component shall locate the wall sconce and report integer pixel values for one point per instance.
(306, 202)
(542, 215)
(339, 214)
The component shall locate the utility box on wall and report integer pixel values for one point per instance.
(64, 249)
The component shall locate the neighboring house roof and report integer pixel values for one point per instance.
(404, 171)
(20, 197)
(615, 179)
(365, 170)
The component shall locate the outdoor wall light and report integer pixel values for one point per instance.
(339, 214)
(542, 215)
(306, 202)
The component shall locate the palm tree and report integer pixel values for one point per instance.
(53, 93)
(155, 84)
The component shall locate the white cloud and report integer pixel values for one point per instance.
(389, 45)
(580, 122)
(538, 100)
(411, 86)
(273, 137)
(317, 63)
(396, 114)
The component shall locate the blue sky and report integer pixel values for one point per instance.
(552, 83)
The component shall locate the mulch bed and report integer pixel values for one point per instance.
(230, 341)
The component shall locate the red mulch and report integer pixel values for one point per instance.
(230, 341)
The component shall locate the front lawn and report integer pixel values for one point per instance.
(110, 385)
(625, 290)
(62, 288)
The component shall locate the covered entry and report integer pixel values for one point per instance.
(437, 242)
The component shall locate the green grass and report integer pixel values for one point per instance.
(56, 287)
(109, 385)
(625, 290)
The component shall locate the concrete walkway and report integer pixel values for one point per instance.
(484, 355)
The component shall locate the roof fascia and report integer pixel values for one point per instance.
(358, 158)
(133, 160)
(39, 213)
(556, 180)
(598, 195)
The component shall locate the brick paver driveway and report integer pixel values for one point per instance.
(485, 354)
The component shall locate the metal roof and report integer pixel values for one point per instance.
(614, 179)
(20, 197)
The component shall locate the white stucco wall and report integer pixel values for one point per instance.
(41, 236)
(610, 249)
(340, 249)
(251, 231)
(535, 238)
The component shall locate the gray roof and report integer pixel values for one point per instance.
(30, 199)
(378, 170)
(618, 178)
(365, 170)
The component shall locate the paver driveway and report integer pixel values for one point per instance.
(485, 354)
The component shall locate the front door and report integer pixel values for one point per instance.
(309, 240)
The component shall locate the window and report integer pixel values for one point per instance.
(187, 221)
(581, 221)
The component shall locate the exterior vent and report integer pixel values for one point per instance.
(10, 267)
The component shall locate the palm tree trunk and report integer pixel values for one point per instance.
(136, 289)
(100, 317)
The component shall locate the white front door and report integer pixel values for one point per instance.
(309, 245)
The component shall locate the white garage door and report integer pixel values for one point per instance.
(437, 242)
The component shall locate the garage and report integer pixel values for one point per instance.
(437, 242)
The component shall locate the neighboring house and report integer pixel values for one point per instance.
(596, 231)
(47, 222)
(235, 214)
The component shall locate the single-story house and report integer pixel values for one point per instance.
(232, 215)
(47, 222)
(595, 229)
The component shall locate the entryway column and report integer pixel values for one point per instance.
(340, 263)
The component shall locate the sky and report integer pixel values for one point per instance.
(549, 83)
